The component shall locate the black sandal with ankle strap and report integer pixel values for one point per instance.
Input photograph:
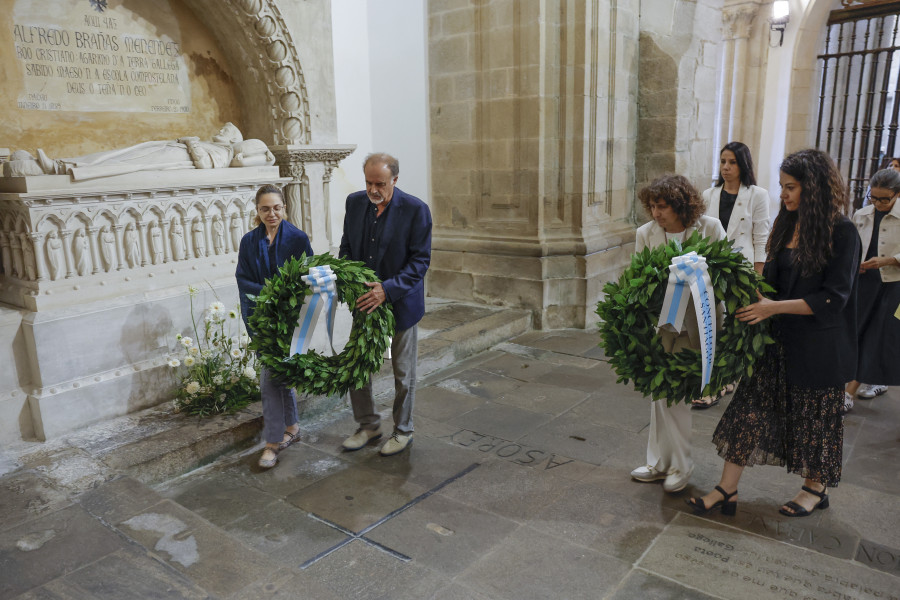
(729, 507)
(799, 511)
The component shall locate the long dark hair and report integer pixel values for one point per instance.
(822, 204)
(744, 161)
(262, 191)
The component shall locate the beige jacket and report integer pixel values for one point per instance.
(748, 226)
(888, 237)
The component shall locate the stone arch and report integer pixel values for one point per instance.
(253, 35)
(803, 97)
(49, 222)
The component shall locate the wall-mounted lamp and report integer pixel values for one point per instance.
(781, 14)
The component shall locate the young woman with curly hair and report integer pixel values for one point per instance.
(677, 212)
(789, 413)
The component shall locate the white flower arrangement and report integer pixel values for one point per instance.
(219, 375)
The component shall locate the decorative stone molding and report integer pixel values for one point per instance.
(273, 55)
(738, 19)
(65, 244)
(307, 194)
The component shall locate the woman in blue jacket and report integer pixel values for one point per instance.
(263, 250)
(790, 412)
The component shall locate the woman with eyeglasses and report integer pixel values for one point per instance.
(263, 251)
(789, 413)
(878, 224)
(743, 209)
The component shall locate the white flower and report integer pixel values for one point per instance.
(189, 361)
(245, 339)
(192, 291)
(192, 387)
(217, 307)
(232, 314)
(249, 372)
(234, 379)
(177, 336)
(174, 362)
(187, 342)
(194, 350)
(221, 397)
(236, 353)
(218, 380)
(215, 342)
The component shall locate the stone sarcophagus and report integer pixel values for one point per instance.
(94, 285)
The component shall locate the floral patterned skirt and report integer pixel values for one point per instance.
(771, 422)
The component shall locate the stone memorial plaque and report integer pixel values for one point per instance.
(731, 563)
(97, 55)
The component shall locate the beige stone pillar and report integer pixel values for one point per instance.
(533, 125)
(37, 240)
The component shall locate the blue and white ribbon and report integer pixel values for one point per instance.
(321, 280)
(689, 276)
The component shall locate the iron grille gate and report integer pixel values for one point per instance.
(859, 98)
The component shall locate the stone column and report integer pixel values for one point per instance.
(208, 251)
(139, 226)
(6, 253)
(533, 129)
(737, 20)
(93, 242)
(18, 259)
(67, 252)
(120, 250)
(164, 228)
(306, 194)
(37, 240)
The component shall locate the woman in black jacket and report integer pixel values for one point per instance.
(789, 413)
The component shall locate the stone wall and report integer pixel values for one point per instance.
(679, 53)
(533, 127)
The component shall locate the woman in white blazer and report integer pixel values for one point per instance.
(741, 206)
(743, 209)
(677, 213)
(878, 296)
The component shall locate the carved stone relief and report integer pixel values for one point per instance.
(54, 255)
(218, 236)
(197, 238)
(107, 248)
(80, 252)
(156, 245)
(132, 247)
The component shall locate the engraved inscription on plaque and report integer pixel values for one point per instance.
(73, 58)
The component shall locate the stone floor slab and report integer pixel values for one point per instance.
(217, 496)
(286, 533)
(444, 535)
(643, 586)
(441, 404)
(586, 380)
(206, 554)
(601, 519)
(507, 489)
(558, 569)
(479, 383)
(43, 549)
(503, 421)
(26, 496)
(517, 367)
(122, 575)
(298, 467)
(541, 398)
(359, 571)
(623, 408)
(712, 558)
(356, 497)
(119, 499)
(575, 437)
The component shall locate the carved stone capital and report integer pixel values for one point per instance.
(291, 159)
(737, 20)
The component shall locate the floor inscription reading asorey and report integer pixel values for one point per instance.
(512, 451)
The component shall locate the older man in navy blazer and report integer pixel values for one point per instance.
(390, 231)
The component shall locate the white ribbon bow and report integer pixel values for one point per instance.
(321, 280)
(689, 275)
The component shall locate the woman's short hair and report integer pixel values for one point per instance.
(887, 179)
(678, 193)
(744, 161)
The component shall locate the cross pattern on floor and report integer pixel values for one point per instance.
(351, 535)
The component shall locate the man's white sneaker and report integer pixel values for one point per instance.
(870, 391)
(647, 474)
(361, 438)
(676, 481)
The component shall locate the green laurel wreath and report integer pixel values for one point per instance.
(630, 312)
(275, 316)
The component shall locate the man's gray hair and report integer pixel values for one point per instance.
(384, 159)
